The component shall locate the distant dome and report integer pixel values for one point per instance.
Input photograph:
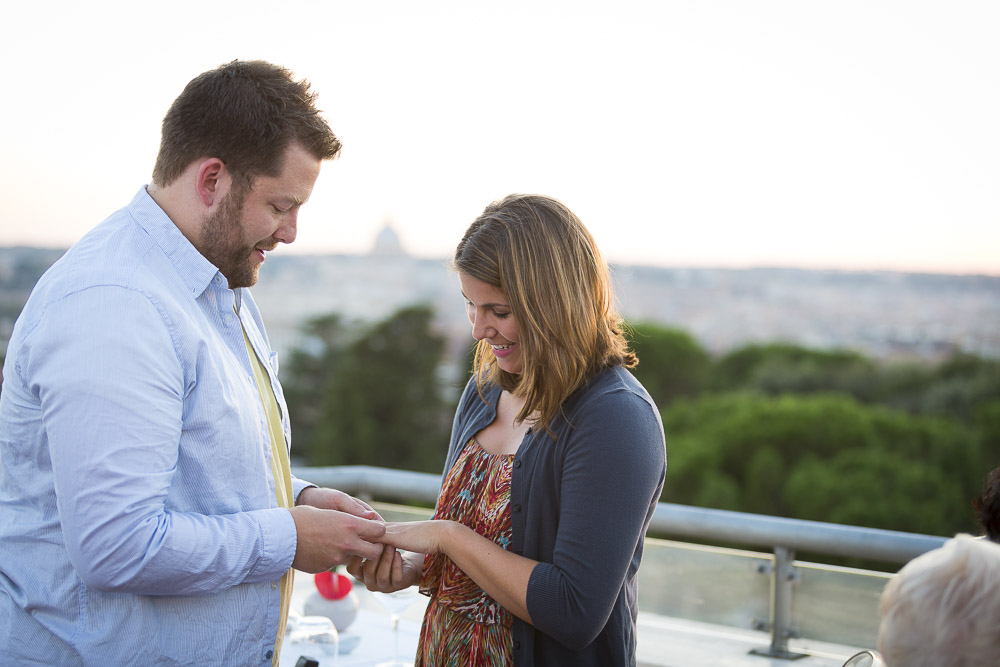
(387, 242)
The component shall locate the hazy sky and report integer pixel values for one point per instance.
(841, 134)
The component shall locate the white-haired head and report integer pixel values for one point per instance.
(943, 608)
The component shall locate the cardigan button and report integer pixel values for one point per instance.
(517, 645)
(517, 507)
(517, 463)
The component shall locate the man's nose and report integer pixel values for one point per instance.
(289, 228)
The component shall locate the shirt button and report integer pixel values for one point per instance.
(274, 585)
(269, 654)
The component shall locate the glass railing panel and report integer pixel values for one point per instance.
(837, 604)
(710, 584)
(732, 587)
(701, 583)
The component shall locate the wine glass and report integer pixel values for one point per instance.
(396, 603)
(315, 636)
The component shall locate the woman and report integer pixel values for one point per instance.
(555, 466)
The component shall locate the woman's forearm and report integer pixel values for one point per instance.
(502, 574)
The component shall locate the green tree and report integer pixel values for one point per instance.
(961, 384)
(310, 372)
(383, 405)
(987, 425)
(780, 368)
(879, 489)
(815, 456)
(953, 388)
(671, 363)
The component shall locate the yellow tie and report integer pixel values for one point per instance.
(280, 470)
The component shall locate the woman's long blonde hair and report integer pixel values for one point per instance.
(539, 254)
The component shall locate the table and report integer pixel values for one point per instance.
(662, 641)
(372, 627)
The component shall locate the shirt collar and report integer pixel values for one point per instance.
(194, 269)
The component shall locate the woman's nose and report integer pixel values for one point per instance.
(480, 329)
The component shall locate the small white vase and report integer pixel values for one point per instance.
(341, 611)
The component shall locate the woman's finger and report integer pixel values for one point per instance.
(397, 569)
(384, 572)
(354, 567)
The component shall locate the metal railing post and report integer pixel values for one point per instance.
(783, 578)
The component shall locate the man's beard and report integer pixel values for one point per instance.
(223, 243)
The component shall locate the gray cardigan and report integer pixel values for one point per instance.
(580, 505)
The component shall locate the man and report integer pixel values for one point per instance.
(987, 506)
(943, 608)
(147, 511)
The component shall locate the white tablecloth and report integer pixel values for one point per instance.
(372, 627)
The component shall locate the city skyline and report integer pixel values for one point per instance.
(853, 136)
(886, 315)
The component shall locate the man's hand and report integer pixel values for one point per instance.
(328, 537)
(331, 499)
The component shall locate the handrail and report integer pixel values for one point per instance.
(812, 536)
(373, 482)
(669, 519)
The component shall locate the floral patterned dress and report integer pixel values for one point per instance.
(463, 625)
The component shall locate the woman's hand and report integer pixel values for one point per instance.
(426, 537)
(390, 572)
(393, 571)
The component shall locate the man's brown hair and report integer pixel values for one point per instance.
(246, 113)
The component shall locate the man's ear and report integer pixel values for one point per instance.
(212, 182)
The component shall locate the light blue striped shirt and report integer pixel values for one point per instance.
(138, 517)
